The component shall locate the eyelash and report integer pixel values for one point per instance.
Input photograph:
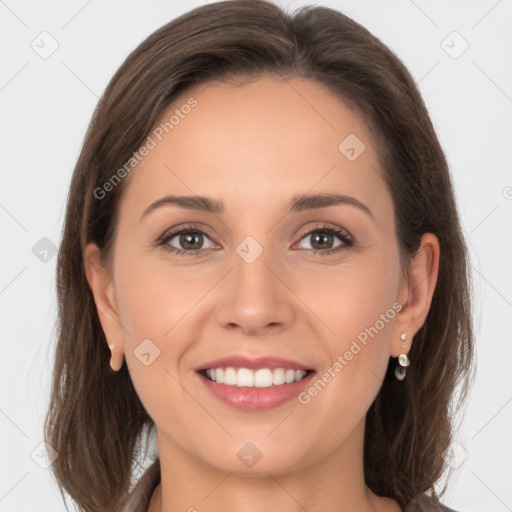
(191, 228)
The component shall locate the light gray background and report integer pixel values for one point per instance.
(46, 105)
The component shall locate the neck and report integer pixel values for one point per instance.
(334, 483)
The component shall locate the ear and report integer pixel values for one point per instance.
(416, 294)
(102, 289)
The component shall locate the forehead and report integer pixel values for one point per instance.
(258, 140)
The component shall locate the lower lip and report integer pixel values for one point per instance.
(255, 399)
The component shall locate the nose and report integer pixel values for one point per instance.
(255, 298)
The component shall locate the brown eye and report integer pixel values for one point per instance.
(326, 239)
(187, 241)
(322, 240)
(190, 240)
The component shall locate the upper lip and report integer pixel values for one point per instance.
(241, 361)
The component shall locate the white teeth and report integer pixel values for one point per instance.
(244, 377)
(262, 378)
(290, 376)
(278, 377)
(230, 377)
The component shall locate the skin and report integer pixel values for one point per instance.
(253, 147)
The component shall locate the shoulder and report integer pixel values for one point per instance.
(140, 496)
(424, 503)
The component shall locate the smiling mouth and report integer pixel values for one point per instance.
(260, 378)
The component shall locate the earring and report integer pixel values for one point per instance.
(403, 363)
(114, 367)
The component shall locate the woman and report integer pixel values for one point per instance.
(262, 264)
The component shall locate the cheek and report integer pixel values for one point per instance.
(350, 298)
(359, 307)
(156, 311)
(153, 299)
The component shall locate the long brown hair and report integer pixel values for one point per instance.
(95, 420)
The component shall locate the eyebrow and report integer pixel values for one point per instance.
(299, 202)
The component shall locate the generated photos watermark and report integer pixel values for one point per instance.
(151, 142)
(343, 359)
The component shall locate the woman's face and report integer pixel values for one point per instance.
(274, 274)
